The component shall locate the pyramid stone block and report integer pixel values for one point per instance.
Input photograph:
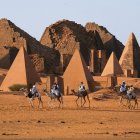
(21, 72)
(76, 73)
(112, 67)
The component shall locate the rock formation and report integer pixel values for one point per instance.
(109, 41)
(21, 72)
(77, 72)
(130, 59)
(12, 38)
(112, 67)
(65, 36)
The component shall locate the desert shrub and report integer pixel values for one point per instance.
(17, 87)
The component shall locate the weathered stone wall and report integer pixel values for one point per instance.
(103, 81)
(38, 63)
(3, 73)
(109, 41)
(4, 58)
(13, 37)
(129, 81)
(65, 36)
(130, 59)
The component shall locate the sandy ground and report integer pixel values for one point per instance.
(104, 120)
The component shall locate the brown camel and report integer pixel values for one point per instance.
(53, 97)
(83, 95)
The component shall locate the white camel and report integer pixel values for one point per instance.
(31, 97)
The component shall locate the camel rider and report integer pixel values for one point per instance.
(81, 88)
(123, 87)
(130, 92)
(55, 89)
(34, 89)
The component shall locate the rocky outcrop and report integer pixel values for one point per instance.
(57, 45)
(130, 59)
(109, 40)
(65, 36)
(12, 36)
(38, 62)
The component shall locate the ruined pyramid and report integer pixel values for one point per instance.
(112, 67)
(130, 56)
(13, 37)
(21, 72)
(76, 73)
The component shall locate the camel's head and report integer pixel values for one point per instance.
(73, 91)
(44, 90)
(24, 91)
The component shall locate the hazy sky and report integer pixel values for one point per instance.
(120, 17)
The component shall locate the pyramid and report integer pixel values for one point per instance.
(21, 72)
(129, 58)
(112, 67)
(76, 73)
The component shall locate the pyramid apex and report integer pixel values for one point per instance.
(131, 36)
(22, 70)
(112, 55)
(131, 49)
(112, 67)
(132, 41)
(76, 72)
(4, 21)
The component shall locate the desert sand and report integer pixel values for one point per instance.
(104, 120)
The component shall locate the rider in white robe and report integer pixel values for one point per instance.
(81, 88)
(123, 87)
(130, 93)
(55, 89)
(34, 90)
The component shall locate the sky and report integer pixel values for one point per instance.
(120, 17)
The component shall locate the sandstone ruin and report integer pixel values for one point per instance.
(109, 40)
(65, 36)
(21, 72)
(54, 54)
(12, 38)
(129, 60)
(76, 73)
(112, 67)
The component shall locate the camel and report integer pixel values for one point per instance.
(53, 97)
(128, 97)
(83, 96)
(31, 97)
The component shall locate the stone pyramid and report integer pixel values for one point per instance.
(76, 73)
(112, 67)
(21, 72)
(129, 57)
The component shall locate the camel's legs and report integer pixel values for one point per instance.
(136, 103)
(84, 100)
(59, 101)
(40, 102)
(77, 100)
(129, 104)
(31, 102)
(81, 101)
(88, 100)
(121, 100)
